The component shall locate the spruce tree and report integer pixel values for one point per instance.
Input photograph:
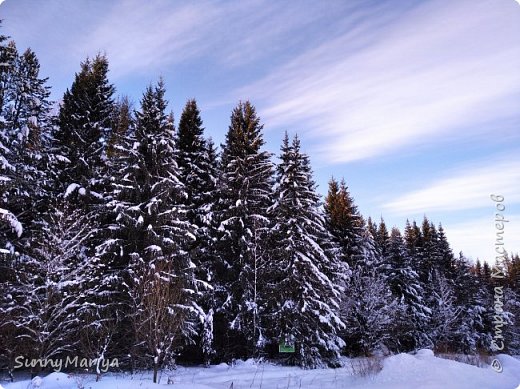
(84, 128)
(197, 164)
(122, 123)
(372, 228)
(241, 223)
(445, 313)
(344, 222)
(414, 241)
(30, 156)
(24, 130)
(83, 188)
(303, 293)
(445, 255)
(368, 301)
(369, 307)
(197, 170)
(151, 235)
(382, 238)
(513, 282)
(470, 330)
(10, 226)
(407, 288)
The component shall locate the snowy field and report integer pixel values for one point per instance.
(422, 370)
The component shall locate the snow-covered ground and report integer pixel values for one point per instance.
(422, 370)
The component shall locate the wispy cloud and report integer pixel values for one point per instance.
(467, 187)
(476, 237)
(145, 36)
(360, 79)
(387, 82)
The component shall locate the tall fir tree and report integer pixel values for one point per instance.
(83, 128)
(344, 222)
(241, 221)
(372, 228)
(303, 290)
(470, 333)
(369, 307)
(382, 238)
(197, 164)
(25, 157)
(10, 226)
(406, 287)
(151, 236)
(122, 122)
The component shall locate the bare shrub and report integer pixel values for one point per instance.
(479, 360)
(366, 367)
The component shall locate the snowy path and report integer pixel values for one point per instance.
(421, 371)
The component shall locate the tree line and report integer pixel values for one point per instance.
(123, 235)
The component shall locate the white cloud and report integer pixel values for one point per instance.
(468, 187)
(146, 36)
(388, 83)
(476, 237)
(361, 80)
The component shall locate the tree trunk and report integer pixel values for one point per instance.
(155, 368)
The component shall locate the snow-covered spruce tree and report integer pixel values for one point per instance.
(198, 172)
(414, 242)
(108, 266)
(367, 300)
(244, 196)
(53, 329)
(372, 228)
(122, 124)
(8, 58)
(501, 319)
(437, 273)
(10, 228)
(513, 303)
(151, 236)
(368, 307)
(445, 312)
(382, 238)
(8, 220)
(195, 167)
(25, 129)
(447, 261)
(470, 328)
(302, 290)
(406, 287)
(484, 298)
(28, 123)
(429, 254)
(436, 254)
(84, 125)
(206, 268)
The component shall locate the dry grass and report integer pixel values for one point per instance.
(479, 360)
(366, 367)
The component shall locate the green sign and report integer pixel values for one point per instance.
(285, 348)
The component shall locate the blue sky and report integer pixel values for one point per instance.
(415, 103)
